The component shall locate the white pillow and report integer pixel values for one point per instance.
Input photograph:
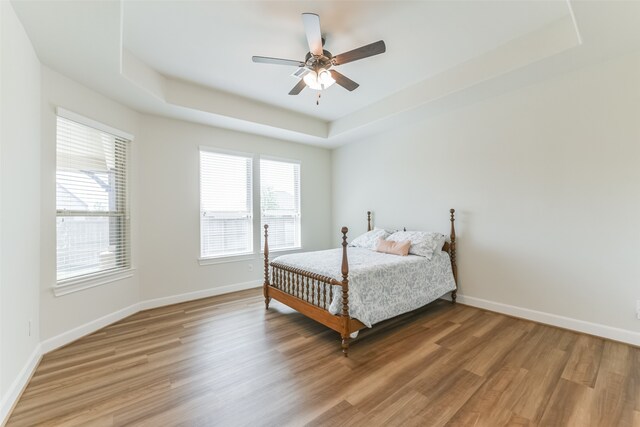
(423, 243)
(369, 240)
(388, 230)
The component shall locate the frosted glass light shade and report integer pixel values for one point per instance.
(320, 80)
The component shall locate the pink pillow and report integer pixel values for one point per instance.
(393, 248)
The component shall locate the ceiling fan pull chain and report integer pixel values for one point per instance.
(318, 100)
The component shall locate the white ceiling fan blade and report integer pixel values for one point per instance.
(311, 23)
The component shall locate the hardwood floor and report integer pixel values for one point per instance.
(225, 361)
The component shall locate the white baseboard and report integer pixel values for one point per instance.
(86, 329)
(616, 334)
(15, 389)
(90, 327)
(205, 293)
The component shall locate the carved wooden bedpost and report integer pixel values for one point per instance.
(265, 286)
(452, 254)
(368, 220)
(345, 294)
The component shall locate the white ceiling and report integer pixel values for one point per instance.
(192, 60)
(211, 43)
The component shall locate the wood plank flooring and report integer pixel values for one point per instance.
(225, 361)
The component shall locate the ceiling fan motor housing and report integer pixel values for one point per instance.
(316, 62)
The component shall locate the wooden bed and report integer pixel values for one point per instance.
(306, 292)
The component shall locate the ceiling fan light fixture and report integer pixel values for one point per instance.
(311, 79)
(320, 80)
(325, 77)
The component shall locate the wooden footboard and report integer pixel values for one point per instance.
(311, 294)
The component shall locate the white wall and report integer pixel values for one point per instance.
(546, 182)
(20, 199)
(169, 204)
(63, 313)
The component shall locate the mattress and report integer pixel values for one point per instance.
(381, 286)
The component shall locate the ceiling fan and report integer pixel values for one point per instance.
(316, 69)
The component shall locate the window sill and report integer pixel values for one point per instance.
(81, 283)
(226, 259)
(283, 251)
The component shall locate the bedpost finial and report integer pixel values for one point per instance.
(453, 230)
(266, 226)
(345, 263)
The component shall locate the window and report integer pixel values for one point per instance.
(92, 223)
(226, 204)
(280, 203)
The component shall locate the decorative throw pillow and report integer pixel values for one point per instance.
(423, 243)
(369, 239)
(393, 248)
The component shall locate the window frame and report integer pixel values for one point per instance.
(294, 162)
(97, 278)
(215, 259)
(258, 249)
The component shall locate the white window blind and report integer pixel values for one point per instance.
(92, 224)
(226, 204)
(280, 203)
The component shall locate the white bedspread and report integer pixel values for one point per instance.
(381, 286)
